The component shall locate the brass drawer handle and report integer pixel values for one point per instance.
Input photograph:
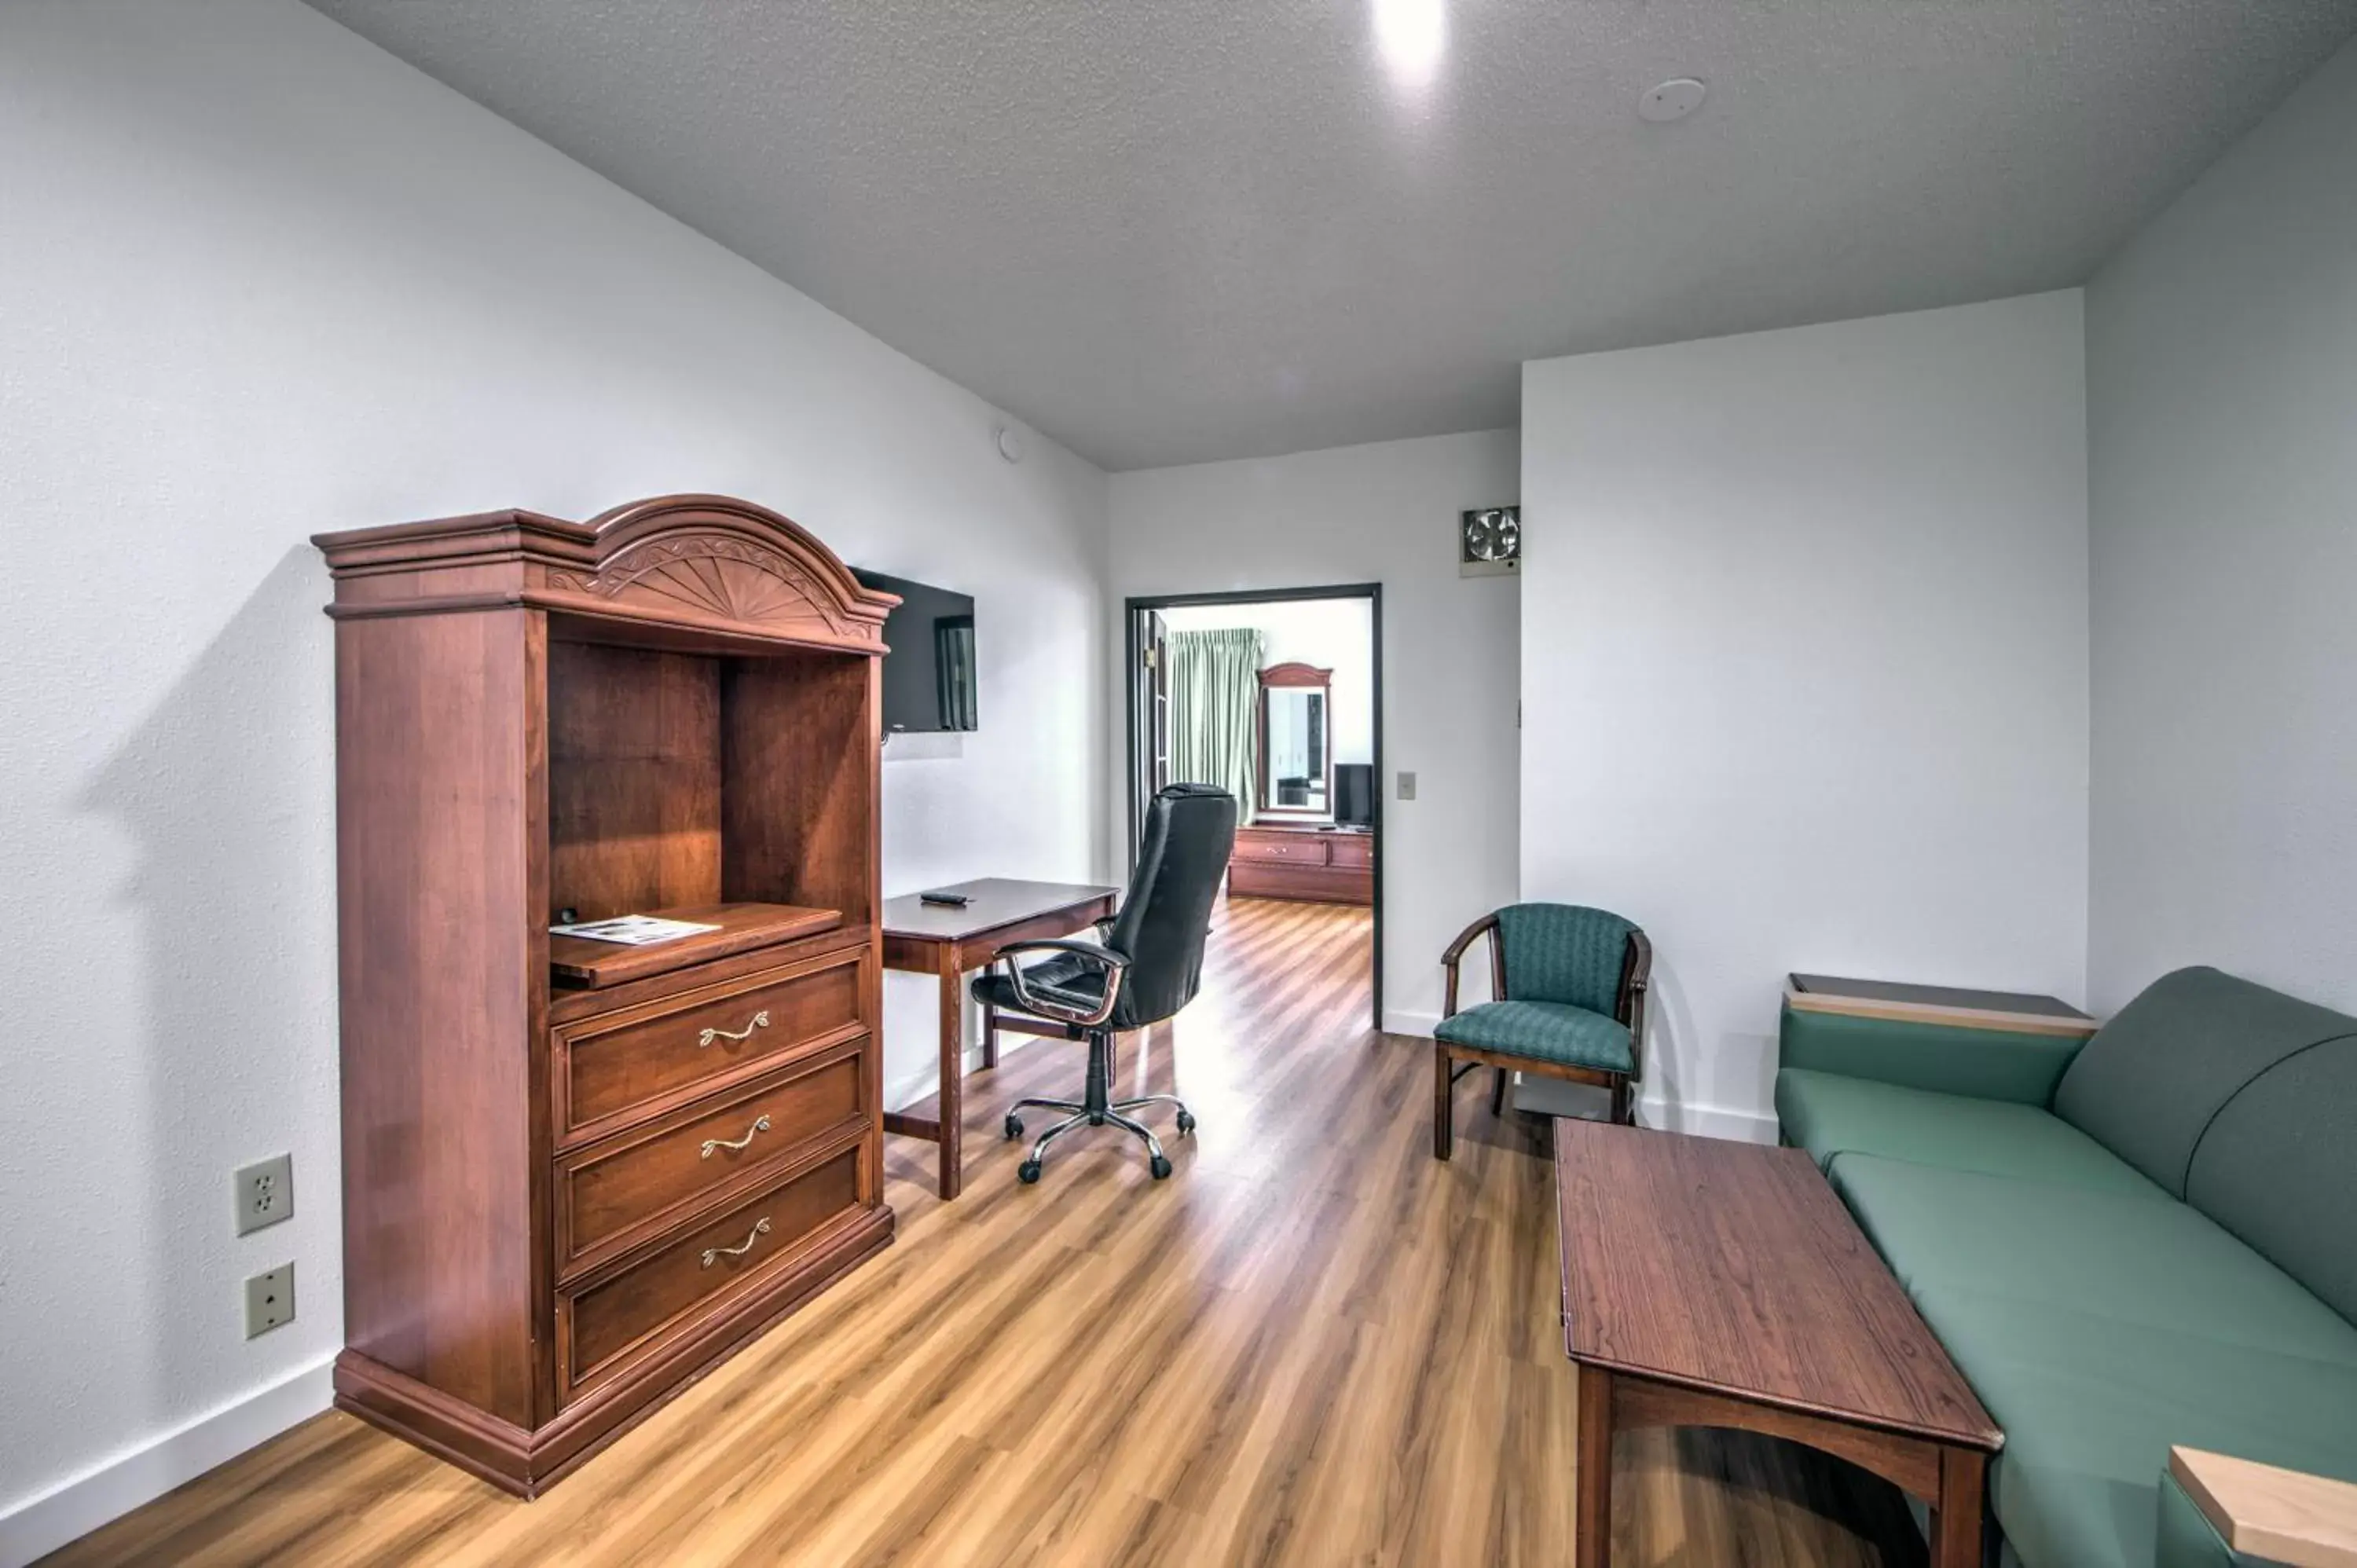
(761, 1229)
(733, 1144)
(761, 1020)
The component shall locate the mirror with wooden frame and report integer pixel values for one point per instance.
(1295, 765)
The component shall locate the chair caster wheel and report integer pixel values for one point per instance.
(1014, 1127)
(1186, 1121)
(1159, 1166)
(1028, 1171)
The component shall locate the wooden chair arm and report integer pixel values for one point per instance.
(2282, 1515)
(1455, 950)
(1641, 979)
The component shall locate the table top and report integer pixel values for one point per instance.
(2013, 1012)
(996, 901)
(1733, 1268)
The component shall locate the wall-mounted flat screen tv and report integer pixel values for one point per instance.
(929, 673)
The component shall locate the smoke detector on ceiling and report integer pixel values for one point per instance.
(1673, 100)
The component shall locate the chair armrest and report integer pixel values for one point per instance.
(1455, 950)
(2282, 1515)
(1038, 1000)
(1945, 1058)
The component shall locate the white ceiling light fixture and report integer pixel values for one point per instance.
(1411, 36)
(1673, 100)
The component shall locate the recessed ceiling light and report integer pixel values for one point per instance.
(1410, 35)
(1673, 100)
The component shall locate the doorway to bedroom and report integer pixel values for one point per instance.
(1274, 695)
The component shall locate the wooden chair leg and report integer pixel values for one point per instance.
(1498, 1092)
(1624, 1111)
(1443, 1132)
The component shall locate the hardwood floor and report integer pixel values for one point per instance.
(1314, 1344)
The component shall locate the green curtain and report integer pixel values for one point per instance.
(1215, 710)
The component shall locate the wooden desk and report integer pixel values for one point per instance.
(1714, 1283)
(933, 939)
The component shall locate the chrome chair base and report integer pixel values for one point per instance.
(1096, 1109)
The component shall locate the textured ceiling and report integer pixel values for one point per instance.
(1168, 231)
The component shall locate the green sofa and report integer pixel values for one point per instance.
(2146, 1240)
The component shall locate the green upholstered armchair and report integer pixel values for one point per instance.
(1570, 983)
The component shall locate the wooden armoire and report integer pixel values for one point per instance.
(578, 1175)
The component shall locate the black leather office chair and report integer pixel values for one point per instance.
(1147, 968)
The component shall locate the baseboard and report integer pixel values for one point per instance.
(1397, 1021)
(1706, 1120)
(75, 1508)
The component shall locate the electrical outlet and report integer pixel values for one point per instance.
(269, 1300)
(266, 1193)
(1408, 786)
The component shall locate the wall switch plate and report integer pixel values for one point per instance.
(1408, 786)
(269, 1300)
(266, 1193)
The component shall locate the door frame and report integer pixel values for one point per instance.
(1136, 605)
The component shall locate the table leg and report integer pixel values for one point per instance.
(953, 1073)
(1591, 1541)
(1956, 1522)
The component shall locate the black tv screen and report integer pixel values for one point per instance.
(929, 672)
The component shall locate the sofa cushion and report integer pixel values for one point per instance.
(2278, 1169)
(2150, 1082)
(1545, 1031)
(2099, 1328)
(2090, 1406)
(2109, 1254)
(1830, 1115)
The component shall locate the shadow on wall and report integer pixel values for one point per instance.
(1669, 1024)
(227, 792)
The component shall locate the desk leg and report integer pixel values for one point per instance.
(953, 1073)
(1591, 1539)
(1956, 1521)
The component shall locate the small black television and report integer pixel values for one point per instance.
(1354, 793)
(929, 668)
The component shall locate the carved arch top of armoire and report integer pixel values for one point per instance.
(704, 562)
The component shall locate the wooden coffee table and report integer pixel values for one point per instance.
(1716, 1284)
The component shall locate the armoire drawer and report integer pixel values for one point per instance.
(1355, 852)
(645, 1059)
(635, 1180)
(601, 1327)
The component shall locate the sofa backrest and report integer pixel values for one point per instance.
(2146, 1086)
(2278, 1169)
(2242, 1101)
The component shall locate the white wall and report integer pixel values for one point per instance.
(260, 279)
(1388, 513)
(1328, 634)
(1804, 667)
(2222, 361)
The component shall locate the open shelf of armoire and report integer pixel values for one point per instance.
(725, 788)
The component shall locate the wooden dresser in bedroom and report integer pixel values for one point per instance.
(577, 1175)
(1316, 862)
